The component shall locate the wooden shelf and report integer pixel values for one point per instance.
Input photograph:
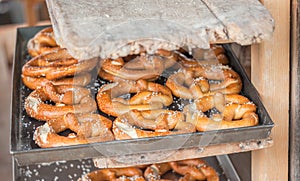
(181, 154)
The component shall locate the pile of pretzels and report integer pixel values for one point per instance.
(141, 95)
(185, 170)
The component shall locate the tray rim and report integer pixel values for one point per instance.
(37, 155)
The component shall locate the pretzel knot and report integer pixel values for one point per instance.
(149, 96)
(42, 42)
(183, 85)
(115, 174)
(67, 99)
(78, 80)
(231, 111)
(140, 124)
(135, 67)
(87, 128)
(195, 82)
(57, 64)
(191, 169)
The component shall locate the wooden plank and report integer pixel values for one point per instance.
(245, 22)
(270, 74)
(181, 154)
(295, 94)
(117, 28)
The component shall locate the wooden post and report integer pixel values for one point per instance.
(31, 11)
(270, 63)
(295, 94)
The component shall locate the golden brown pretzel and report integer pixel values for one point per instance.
(190, 170)
(68, 99)
(115, 174)
(194, 169)
(194, 82)
(183, 85)
(220, 54)
(77, 80)
(42, 42)
(88, 128)
(149, 95)
(215, 55)
(156, 171)
(57, 64)
(235, 111)
(140, 124)
(142, 67)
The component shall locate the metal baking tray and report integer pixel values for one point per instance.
(72, 170)
(26, 152)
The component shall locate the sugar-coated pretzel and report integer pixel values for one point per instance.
(114, 174)
(88, 128)
(56, 65)
(149, 95)
(42, 42)
(68, 99)
(140, 124)
(234, 111)
(77, 80)
(191, 169)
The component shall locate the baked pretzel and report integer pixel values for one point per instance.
(140, 124)
(42, 42)
(194, 82)
(77, 80)
(114, 174)
(149, 95)
(68, 99)
(191, 169)
(143, 66)
(215, 55)
(56, 65)
(234, 111)
(184, 85)
(220, 54)
(88, 128)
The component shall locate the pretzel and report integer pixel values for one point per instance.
(68, 99)
(235, 111)
(88, 128)
(148, 96)
(170, 58)
(215, 55)
(42, 42)
(194, 169)
(77, 80)
(114, 174)
(137, 124)
(56, 65)
(183, 85)
(220, 54)
(194, 82)
(191, 169)
(143, 66)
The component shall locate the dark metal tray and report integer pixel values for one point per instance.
(72, 170)
(25, 151)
